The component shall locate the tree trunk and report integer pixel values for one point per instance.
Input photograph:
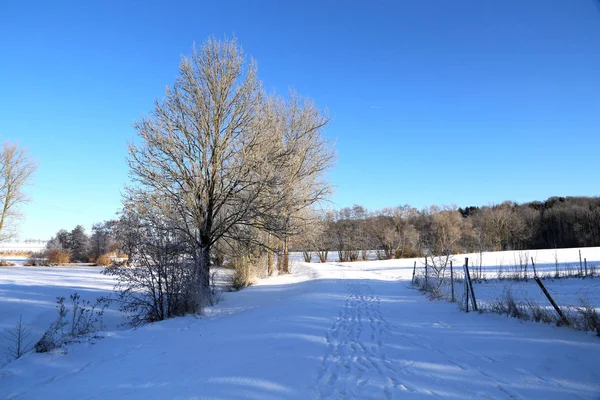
(279, 262)
(270, 256)
(203, 277)
(286, 257)
(270, 262)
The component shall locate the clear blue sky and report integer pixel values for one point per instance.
(433, 102)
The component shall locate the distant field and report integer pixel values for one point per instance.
(20, 249)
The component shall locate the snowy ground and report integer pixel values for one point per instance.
(567, 292)
(329, 331)
(31, 292)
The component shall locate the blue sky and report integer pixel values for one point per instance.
(432, 102)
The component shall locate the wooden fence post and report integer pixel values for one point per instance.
(466, 287)
(426, 283)
(452, 280)
(414, 270)
(580, 265)
(533, 265)
(585, 265)
(470, 285)
(559, 312)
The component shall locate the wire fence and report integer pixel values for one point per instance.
(442, 278)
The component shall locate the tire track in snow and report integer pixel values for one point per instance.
(355, 365)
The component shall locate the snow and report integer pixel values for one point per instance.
(23, 246)
(567, 293)
(31, 292)
(328, 331)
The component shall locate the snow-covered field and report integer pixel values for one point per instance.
(328, 331)
(17, 247)
(31, 292)
(567, 292)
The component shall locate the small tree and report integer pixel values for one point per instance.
(18, 342)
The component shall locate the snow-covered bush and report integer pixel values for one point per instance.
(81, 319)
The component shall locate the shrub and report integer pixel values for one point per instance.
(242, 277)
(103, 260)
(4, 263)
(158, 285)
(58, 256)
(36, 260)
(407, 251)
(84, 319)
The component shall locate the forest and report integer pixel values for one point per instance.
(404, 231)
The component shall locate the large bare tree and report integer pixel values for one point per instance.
(16, 168)
(225, 157)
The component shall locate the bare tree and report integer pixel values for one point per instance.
(18, 340)
(224, 158)
(393, 231)
(16, 168)
(442, 233)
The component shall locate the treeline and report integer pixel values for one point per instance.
(404, 231)
(103, 246)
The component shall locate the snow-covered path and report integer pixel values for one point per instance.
(352, 333)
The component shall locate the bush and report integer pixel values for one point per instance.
(85, 319)
(58, 256)
(104, 260)
(37, 260)
(242, 277)
(6, 264)
(407, 252)
(158, 285)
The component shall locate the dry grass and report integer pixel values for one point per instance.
(589, 319)
(104, 260)
(507, 305)
(15, 253)
(58, 257)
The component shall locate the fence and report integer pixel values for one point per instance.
(441, 278)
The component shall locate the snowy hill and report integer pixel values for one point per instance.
(329, 331)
